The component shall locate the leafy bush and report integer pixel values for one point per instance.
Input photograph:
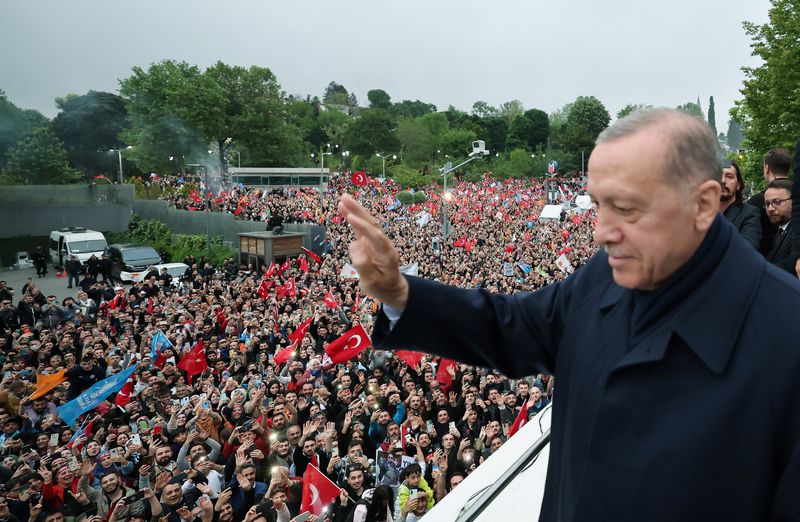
(420, 197)
(408, 177)
(405, 197)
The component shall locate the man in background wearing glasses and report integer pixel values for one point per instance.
(777, 163)
(778, 205)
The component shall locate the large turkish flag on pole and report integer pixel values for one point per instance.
(349, 345)
(318, 491)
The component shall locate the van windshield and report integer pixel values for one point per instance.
(140, 254)
(90, 245)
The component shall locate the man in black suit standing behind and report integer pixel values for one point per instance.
(744, 217)
(778, 202)
(777, 163)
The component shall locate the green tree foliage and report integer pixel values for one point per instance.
(585, 119)
(412, 109)
(530, 129)
(692, 108)
(15, 124)
(494, 131)
(511, 109)
(712, 114)
(631, 107)
(374, 130)
(457, 142)
(337, 95)
(379, 99)
(481, 109)
(90, 123)
(734, 135)
(770, 108)
(40, 159)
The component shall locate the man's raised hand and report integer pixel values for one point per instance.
(374, 256)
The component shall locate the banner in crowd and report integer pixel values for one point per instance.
(45, 383)
(349, 271)
(94, 395)
(318, 491)
(563, 263)
(349, 345)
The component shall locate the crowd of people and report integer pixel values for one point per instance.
(238, 431)
(395, 432)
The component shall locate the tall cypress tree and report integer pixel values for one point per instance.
(712, 116)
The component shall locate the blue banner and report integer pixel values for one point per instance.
(94, 396)
(159, 342)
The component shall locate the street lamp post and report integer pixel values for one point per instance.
(119, 156)
(383, 163)
(445, 170)
(322, 155)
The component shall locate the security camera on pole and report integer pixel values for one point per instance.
(478, 151)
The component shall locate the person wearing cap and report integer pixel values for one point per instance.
(743, 216)
(83, 376)
(351, 493)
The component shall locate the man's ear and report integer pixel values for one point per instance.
(707, 202)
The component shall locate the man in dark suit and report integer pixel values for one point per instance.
(778, 201)
(657, 344)
(744, 217)
(777, 163)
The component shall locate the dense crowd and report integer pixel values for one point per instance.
(233, 434)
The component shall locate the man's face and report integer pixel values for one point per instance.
(354, 452)
(448, 441)
(249, 473)
(647, 227)
(730, 185)
(523, 388)
(163, 455)
(109, 483)
(536, 393)
(172, 494)
(283, 448)
(355, 479)
(87, 365)
(293, 434)
(308, 447)
(778, 204)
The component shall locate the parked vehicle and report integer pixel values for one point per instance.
(75, 241)
(131, 259)
(176, 270)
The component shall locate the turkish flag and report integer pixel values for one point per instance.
(222, 321)
(442, 375)
(318, 491)
(349, 345)
(270, 270)
(312, 255)
(285, 266)
(284, 355)
(357, 302)
(460, 242)
(263, 288)
(195, 361)
(304, 265)
(300, 331)
(359, 178)
(289, 288)
(330, 301)
(150, 305)
(520, 421)
(124, 395)
(410, 358)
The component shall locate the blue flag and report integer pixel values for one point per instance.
(94, 396)
(159, 339)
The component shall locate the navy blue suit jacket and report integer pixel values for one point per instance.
(698, 421)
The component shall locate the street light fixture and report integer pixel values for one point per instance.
(119, 156)
(383, 163)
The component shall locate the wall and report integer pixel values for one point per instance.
(37, 210)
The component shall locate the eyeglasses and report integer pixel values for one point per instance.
(775, 202)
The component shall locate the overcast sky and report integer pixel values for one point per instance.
(544, 53)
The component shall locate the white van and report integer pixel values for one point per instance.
(75, 241)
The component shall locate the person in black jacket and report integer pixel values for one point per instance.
(744, 217)
(83, 376)
(778, 200)
(39, 258)
(795, 226)
(777, 163)
(73, 267)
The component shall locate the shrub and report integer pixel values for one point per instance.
(420, 197)
(405, 197)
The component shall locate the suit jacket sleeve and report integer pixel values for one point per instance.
(751, 226)
(517, 334)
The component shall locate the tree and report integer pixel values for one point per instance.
(379, 99)
(712, 114)
(770, 108)
(336, 95)
(412, 109)
(90, 123)
(631, 107)
(529, 130)
(456, 142)
(15, 124)
(585, 119)
(373, 131)
(493, 130)
(481, 109)
(170, 105)
(692, 108)
(40, 159)
(734, 135)
(511, 109)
